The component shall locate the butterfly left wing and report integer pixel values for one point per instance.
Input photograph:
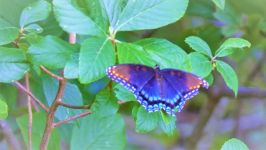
(186, 83)
(131, 76)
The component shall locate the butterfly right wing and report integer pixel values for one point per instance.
(131, 76)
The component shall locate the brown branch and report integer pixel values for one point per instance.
(256, 69)
(71, 118)
(51, 74)
(9, 135)
(73, 106)
(30, 112)
(50, 125)
(51, 114)
(245, 92)
(20, 86)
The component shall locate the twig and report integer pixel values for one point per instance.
(51, 74)
(30, 113)
(71, 118)
(245, 92)
(73, 107)
(51, 114)
(9, 135)
(20, 86)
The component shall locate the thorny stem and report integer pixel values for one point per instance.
(30, 112)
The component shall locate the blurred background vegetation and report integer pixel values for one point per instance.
(207, 121)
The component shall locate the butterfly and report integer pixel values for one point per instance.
(157, 89)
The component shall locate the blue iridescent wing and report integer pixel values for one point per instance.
(131, 76)
(185, 83)
(158, 94)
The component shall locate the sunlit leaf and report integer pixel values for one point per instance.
(230, 45)
(133, 53)
(199, 45)
(72, 19)
(163, 52)
(150, 14)
(219, 3)
(228, 75)
(201, 65)
(37, 11)
(96, 54)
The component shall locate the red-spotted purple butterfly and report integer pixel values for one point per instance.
(157, 89)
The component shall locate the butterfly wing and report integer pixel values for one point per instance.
(158, 94)
(186, 83)
(131, 76)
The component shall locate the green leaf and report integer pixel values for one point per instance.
(9, 94)
(105, 104)
(150, 14)
(39, 120)
(167, 123)
(34, 28)
(228, 75)
(71, 70)
(72, 96)
(210, 79)
(229, 45)
(123, 94)
(219, 3)
(145, 121)
(95, 10)
(96, 54)
(51, 52)
(163, 52)
(132, 53)
(71, 19)
(113, 10)
(234, 144)
(201, 65)
(3, 109)
(199, 45)
(99, 133)
(8, 34)
(37, 11)
(12, 64)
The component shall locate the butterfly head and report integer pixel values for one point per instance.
(157, 67)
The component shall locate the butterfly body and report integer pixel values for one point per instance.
(156, 89)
